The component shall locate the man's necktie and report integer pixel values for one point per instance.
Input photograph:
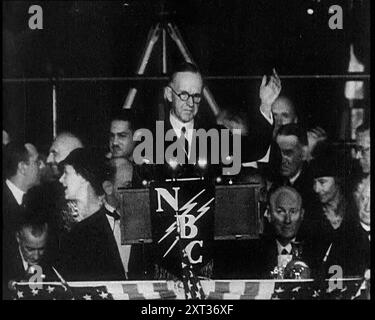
(114, 214)
(284, 251)
(23, 203)
(186, 144)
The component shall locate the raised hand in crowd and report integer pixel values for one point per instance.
(268, 92)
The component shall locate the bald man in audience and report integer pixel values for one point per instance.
(64, 143)
(276, 247)
(284, 242)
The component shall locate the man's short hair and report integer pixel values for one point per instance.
(14, 153)
(37, 223)
(125, 115)
(183, 67)
(283, 189)
(294, 129)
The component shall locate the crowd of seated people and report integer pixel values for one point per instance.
(63, 212)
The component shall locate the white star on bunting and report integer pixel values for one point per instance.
(35, 292)
(103, 295)
(50, 289)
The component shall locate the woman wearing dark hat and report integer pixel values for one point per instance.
(335, 230)
(88, 252)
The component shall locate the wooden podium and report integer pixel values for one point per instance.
(237, 214)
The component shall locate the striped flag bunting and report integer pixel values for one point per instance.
(351, 289)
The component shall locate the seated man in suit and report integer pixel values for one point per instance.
(283, 242)
(30, 256)
(279, 244)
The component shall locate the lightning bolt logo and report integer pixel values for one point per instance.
(186, 208)
(203, 209)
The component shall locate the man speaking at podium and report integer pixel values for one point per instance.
(184, 95)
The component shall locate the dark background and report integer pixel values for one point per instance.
(106, 39)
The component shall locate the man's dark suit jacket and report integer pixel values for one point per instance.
(271, 169)
(15, 270)
(89, 251)
(141, 262)
(267, 255)
(251, 259)
(253, 147)
(363, 251)
(47, 200)
(11, 215)
(235, 259)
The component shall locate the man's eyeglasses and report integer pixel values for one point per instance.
(184, 96)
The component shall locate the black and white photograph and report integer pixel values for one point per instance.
(186, 150)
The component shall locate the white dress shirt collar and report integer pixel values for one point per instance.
(111, 220)
(366, 227)
(24, 262)
(280, 247)
(17, 192)
(109, 207)
(177, 125)
(124, 250)
(293, 179)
